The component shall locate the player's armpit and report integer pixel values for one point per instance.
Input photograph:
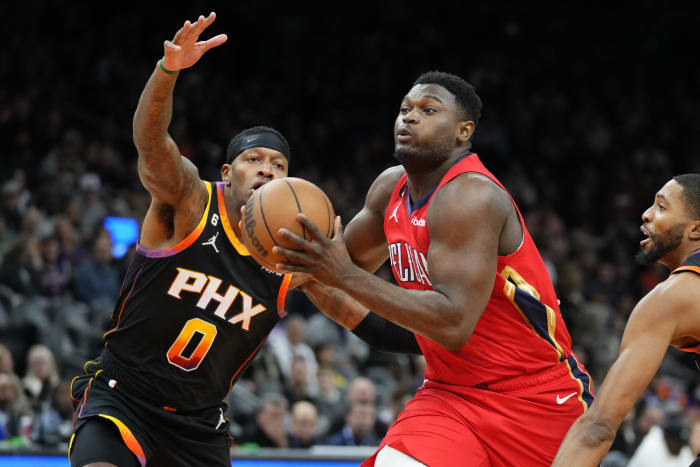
(364, 234)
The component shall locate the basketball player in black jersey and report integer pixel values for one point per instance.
(194, 307)
(668, 315)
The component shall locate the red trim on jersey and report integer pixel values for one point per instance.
(252, 354)
(124, 304)
(282, 295)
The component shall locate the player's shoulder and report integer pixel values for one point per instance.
(379, 193)
(677, 294)
(482, 193)
(389, 177)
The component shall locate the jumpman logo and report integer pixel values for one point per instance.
(212, 242)
(394, 214)
(222, 420)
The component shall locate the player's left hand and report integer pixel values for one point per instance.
(325, 259)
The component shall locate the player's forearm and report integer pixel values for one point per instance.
(585, 445)
(154, 112)
(378, 332)
(335, 304)
(429, 313)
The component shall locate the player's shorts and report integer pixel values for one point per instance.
(155, 435)
(521, 421)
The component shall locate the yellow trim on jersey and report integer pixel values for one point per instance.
(223, 214)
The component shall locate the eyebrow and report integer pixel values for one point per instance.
(659, 195)
(430, 96)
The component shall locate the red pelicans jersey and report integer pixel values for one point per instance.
(521, 330)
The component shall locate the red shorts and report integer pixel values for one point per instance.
(519, 422)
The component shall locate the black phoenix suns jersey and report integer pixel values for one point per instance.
(189, 319)
(691, 264)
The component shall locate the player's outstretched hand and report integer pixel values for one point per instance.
(185, 49)
(325, 259)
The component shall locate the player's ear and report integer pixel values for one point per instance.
(465, 131)
(226, 174)
(694, 233)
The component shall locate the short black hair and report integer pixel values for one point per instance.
(464, 92)
(691, 192)
(251, 131)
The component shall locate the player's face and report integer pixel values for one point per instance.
(665, 224)
(252, 169)
(427, 126)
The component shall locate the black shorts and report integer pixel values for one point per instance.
(153, 434)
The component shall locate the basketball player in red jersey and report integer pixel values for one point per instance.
(668, 315)
(502, 386)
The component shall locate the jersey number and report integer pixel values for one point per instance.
(195, 326)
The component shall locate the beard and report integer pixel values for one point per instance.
(421, 158)
(663, 244)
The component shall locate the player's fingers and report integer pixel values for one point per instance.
(311, 227)
(199, 26)
(296, 256)
(292, 268)
(213, 42)
(183, 32)
(338, 228)
(299, 241)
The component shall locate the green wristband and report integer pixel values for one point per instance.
(165, 70)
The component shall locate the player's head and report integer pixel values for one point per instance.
(672, 223)
(436, 120)
(254, 157)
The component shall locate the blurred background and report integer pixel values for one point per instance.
(588, 111)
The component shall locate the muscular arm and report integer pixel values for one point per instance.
(665, 313)
(462, 262)
(178, 196)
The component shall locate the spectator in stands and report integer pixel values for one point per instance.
(42, 377)
(7, 363)
(268, 430)
(14, 412)
(56, 271)
(21, 268)
(300, 385)
(290, 344)
(99, 277)
(53, 424)
(359, 427)
(304, 425)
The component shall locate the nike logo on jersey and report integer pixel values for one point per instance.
(394, 214)
(208, 288)
(561, 400)
(212, 241)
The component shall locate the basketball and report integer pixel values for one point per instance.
(276, 205)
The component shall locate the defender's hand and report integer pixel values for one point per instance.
(184, 50)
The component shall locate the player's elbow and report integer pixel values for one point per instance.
(597, 430)
(455, 336)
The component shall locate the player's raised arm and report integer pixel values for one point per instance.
(655, 321)
(168, 176)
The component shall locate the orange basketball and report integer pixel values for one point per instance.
(275, 205)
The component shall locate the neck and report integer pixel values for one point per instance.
(420, 182)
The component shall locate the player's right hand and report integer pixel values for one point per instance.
(184, 50)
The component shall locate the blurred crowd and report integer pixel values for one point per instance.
(581, 128)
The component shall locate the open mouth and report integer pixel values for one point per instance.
(647, 234)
